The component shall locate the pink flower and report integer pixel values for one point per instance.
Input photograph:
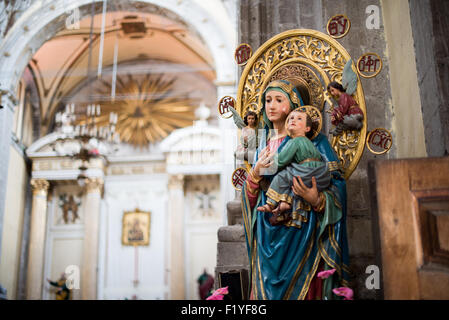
(344, 292)
(215, 297)
(222, 290)
(326, 274)
(218, 294)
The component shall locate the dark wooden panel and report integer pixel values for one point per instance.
(432, 208)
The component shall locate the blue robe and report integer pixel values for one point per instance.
(284, 260)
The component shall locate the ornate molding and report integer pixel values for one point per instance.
(40, 186)
(94, 185)
(176, 181)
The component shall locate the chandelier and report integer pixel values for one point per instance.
(82, 138)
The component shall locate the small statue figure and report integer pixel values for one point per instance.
(248, 140)
(63, 292)
(205, 285)
(348, 115)
(67, 206)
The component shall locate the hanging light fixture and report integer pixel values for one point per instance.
(87, 134)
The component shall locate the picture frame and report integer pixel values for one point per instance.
(136, 228)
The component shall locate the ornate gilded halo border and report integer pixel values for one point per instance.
(347, 30)
(316, 100)
(300, 61)
(319, 51)
(368, 138)
(371, 75)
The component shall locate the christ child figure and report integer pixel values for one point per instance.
(299, 157)
(348, 115)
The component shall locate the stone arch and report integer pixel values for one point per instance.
(44, 19)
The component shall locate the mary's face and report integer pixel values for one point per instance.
(277, 106)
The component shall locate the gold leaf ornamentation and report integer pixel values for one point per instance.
(289, 55)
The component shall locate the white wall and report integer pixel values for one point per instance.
(12, 223)
(117, 264)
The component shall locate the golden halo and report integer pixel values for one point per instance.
(307, 47)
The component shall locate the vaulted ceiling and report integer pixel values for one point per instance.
(146, 44)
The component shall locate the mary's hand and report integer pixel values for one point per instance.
(265, 160)
(308, 194)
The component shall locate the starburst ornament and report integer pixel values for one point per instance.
(148, 109)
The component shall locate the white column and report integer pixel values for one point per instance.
(35, 272)
(90, 246)
(176, 236)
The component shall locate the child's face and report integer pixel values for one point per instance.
(297, 124)
(334, 92)
(251, 120)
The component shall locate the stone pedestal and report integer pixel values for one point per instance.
(232, 254)
(234, 211)
(231, 250)
(35, 271)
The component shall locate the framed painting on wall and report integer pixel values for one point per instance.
(136, 228)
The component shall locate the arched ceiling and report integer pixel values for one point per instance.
(60, 66)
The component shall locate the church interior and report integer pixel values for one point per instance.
(118, 168)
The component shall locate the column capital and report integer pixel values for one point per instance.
(176, 181)
(94, 185)
(40, 186)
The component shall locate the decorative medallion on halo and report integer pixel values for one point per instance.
(338, 26)
(369, 65)
(379, 141)
(310, 60)
(239, 177)
(223, 106)
(242, 54)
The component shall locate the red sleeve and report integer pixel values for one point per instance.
(252, 191)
